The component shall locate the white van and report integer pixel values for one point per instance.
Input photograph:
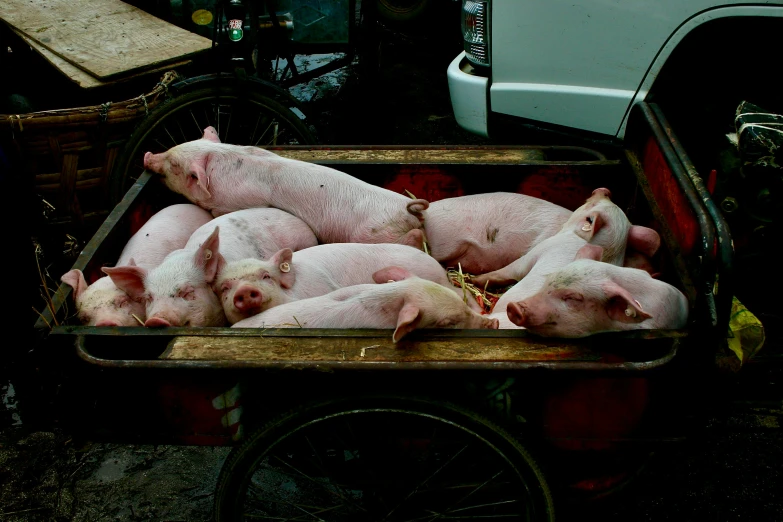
(581, 64)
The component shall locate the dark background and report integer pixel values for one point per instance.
(728, 469)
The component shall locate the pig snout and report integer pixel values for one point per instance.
(518, 314)
(156, 322)
(605, 192)
(248, 299)
(491, 324)
(153, 162)
(107, 322)
(148, 160)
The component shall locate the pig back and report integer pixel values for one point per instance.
(338, 265)
(166, 231)
(256, 233)
(485, 232)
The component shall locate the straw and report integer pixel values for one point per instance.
(485, 299)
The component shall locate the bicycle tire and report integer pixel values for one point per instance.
(183, 118)
(362, 472)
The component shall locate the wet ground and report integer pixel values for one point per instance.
(731, 468)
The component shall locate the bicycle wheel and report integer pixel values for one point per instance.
(241, 118)
(381, 458)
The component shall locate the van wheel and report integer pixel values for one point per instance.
(381, 458)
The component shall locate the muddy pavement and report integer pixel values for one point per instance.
(731, 469)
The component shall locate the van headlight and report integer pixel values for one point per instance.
(475, 31)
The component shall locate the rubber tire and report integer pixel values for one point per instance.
(244, 460)
(129, 163)
(387, 10)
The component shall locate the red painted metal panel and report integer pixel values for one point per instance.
(675, 208)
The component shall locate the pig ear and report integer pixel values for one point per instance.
(645, 240)
(283, 261)
(129, 279)
(621, 305)
(417, 206)
(211, 134)
(590, 225)
(414, 238)
(407, 320)
(589, 251)
(208, 256)
(391, 274)
(75, 278)
(198, 180)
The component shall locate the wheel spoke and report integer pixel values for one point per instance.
(319, 483)
(416, 489)
(496, 475)
(264, 133)
(181, 131)
(499, 503)
(258, 120)
(309, 511)
(199, 130)
(206, 115)
(166, 129)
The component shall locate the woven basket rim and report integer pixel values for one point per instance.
(106, 109)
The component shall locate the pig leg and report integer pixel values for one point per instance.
(509, 274)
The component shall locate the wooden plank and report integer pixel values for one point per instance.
(415, 156)
(373, 349)
(105, 38)
(81, 78)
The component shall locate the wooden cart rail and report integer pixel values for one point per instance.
(369, 349)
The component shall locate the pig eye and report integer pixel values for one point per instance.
(571, 298)
(147, 298)
(187, 293)
(267, 276)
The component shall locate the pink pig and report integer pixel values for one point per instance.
(485, 232)
(587, 296)
(250, 286)
(178, 292)
(406, 304)
(598, 221)
(102, 303)
(339, 208)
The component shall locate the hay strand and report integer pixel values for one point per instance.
(48, 296)
(485, 299)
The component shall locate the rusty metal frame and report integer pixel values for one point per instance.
(707, 274)
(725, 258)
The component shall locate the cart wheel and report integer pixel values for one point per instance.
(381, 458)
(246, 118)
(400, 11)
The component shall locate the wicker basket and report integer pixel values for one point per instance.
(70, 152)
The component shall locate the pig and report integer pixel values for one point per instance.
(250, 286)
(485, 232)
(339, 208)
(102, 303)
(179, 291)
(405, 304)
(598, 221)
(587, 296)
